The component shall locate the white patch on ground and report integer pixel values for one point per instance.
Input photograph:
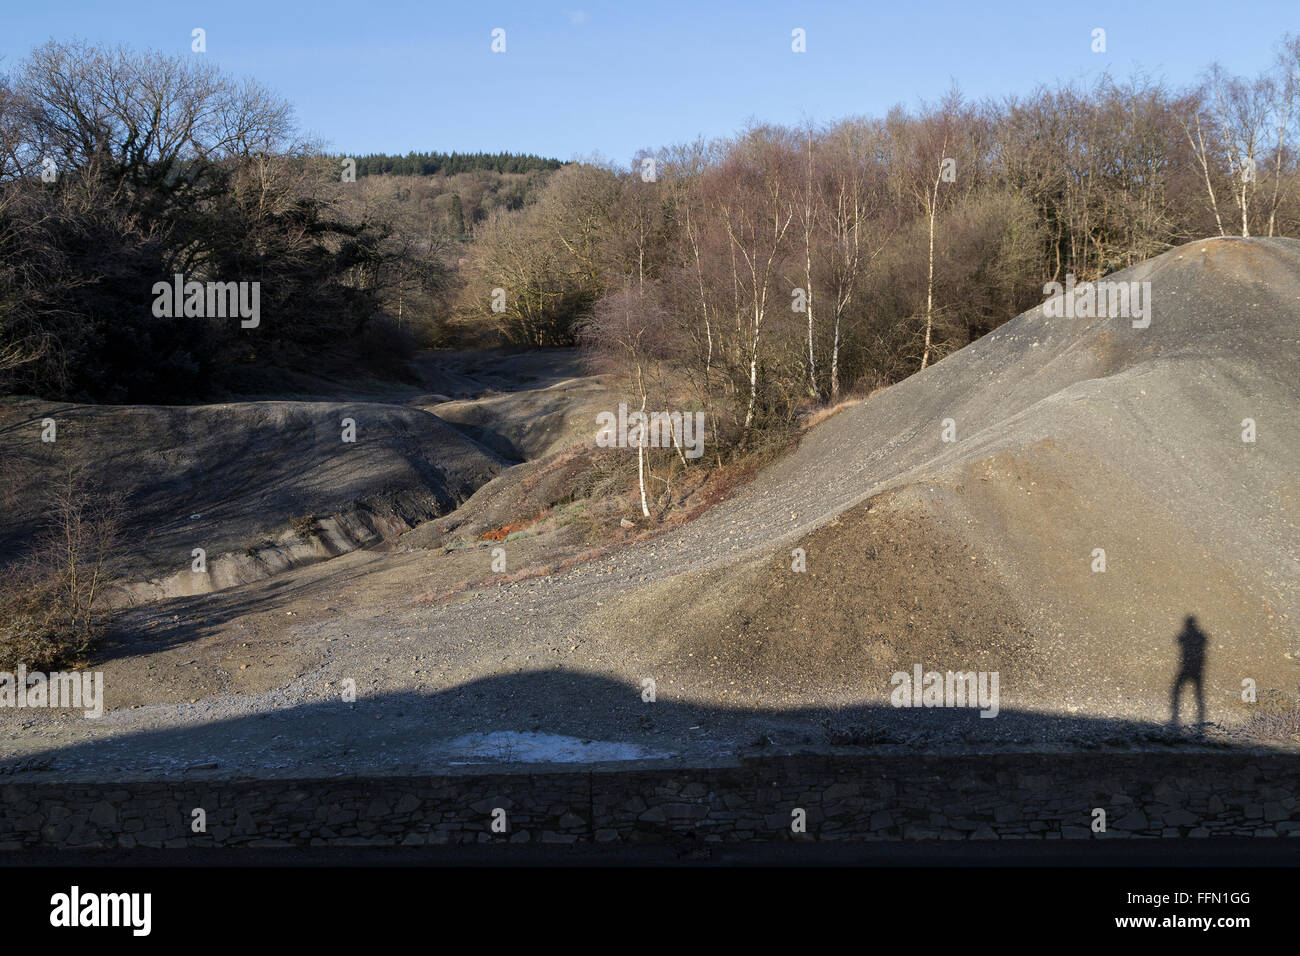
(509, 746)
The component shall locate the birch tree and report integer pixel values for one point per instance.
(1241, 115)
(1200, 140)
(1286, 87)
(851, 149)
(756, 208)
(628, 333)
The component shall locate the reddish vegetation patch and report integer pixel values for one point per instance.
(500, 534)
(506, 530)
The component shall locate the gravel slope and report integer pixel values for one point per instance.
(1072, 434)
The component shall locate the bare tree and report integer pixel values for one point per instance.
(145, 112)
(809, 216)
(1201, 144)
(923, 161)
(851, 146)
(52, 609)
(683, 169)
(628, 332)
(755, 206)
(1242, 109)
(1286, 86)
(14, 354)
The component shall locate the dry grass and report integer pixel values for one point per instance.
(819, 415)
(1275, 718)
(304, 526)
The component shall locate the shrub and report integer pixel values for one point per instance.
(52, 607)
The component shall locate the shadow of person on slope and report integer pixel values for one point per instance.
(1191, 641)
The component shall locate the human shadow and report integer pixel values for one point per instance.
(1191, 670)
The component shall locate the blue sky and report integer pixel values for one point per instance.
(581, 78)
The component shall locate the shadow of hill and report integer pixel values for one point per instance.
(412, 732)
(492, 439)
(233, 476)
(472, 373)
(156, 626)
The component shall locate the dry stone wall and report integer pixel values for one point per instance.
(844, 798)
